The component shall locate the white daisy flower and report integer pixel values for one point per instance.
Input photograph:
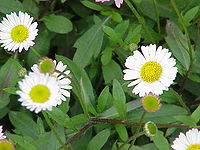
(151, 71)
(2, 136)
(39, 92)
(17, 32)
(63, 82)
(188, 141)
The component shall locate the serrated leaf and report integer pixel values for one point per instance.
(119, 99)
(58, 24)
(99, 140)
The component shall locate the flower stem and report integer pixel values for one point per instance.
(36, 52)
(157, 15)
(52, 128)
(140, 19)
(130, 139)
(137, 130)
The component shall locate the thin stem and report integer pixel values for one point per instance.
(86, 127)
(124, 122)
(51, 127)
(36, 52)
(140, 19)
(138, 129)
(130, 139)
(173, 3)
(157, 15)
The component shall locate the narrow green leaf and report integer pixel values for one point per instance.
(190, 14)
(102, 99)
(117, 17)
(99, 140)
(89, 43)
(58, 24)
(178, 44)
(119, 99)
(160, 141)
(196, 114)
(122, 132)
(11, 90)
(188, 120)
(134, 35)
(40, 126)
(114, 36)
(92, 5)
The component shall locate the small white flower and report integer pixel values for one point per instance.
(151, 71)
(17, 32)
(39, 92)
(2, 136)
(63, 81)
(188, 141)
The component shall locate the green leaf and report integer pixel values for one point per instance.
(92, 5)
(11, 90)
(196, 114)
(112, 113)
(119, 99)
(61, 118)
(160, 141)
(178, 44)
(188, 120)
(25, 142)
(88, 45)
(190, 14)
(99, 140)
(111, 71)
(106, 56)
(81, 82)
(164, 115)
(122, 132)
(117, 17)
(122, 27)
(8, 73)
(102, 99)
(134, 35)
(8, 6)
(23, 123)
(40, 126)
(112, 34)
(58, 24)
(31, 7)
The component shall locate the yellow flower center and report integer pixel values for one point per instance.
(19, 33)
(5, 146)
(151, 103)
(194, 147)
(151, 71)
(39, 94)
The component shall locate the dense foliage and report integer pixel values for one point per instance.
(94, 40)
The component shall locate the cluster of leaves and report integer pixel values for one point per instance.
(94, 40)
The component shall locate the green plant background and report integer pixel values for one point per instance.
(94, 40)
